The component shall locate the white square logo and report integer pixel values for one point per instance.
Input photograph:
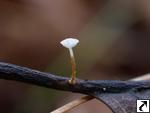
(142, 106)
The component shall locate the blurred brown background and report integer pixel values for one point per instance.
(114, 44)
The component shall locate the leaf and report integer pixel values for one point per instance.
(124, 102)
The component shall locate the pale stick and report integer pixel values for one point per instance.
(72, 104)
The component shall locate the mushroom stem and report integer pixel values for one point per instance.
(71, 52)
(73, 64)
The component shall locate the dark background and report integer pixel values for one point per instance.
(114, 44)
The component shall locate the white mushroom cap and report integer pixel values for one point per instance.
(69, 42)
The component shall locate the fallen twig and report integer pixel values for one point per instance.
(72, 104)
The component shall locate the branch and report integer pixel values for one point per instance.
(26, 75)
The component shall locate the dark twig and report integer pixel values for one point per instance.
(26, 75)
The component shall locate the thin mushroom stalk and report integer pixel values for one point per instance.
(70, 43)
(73, 64)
